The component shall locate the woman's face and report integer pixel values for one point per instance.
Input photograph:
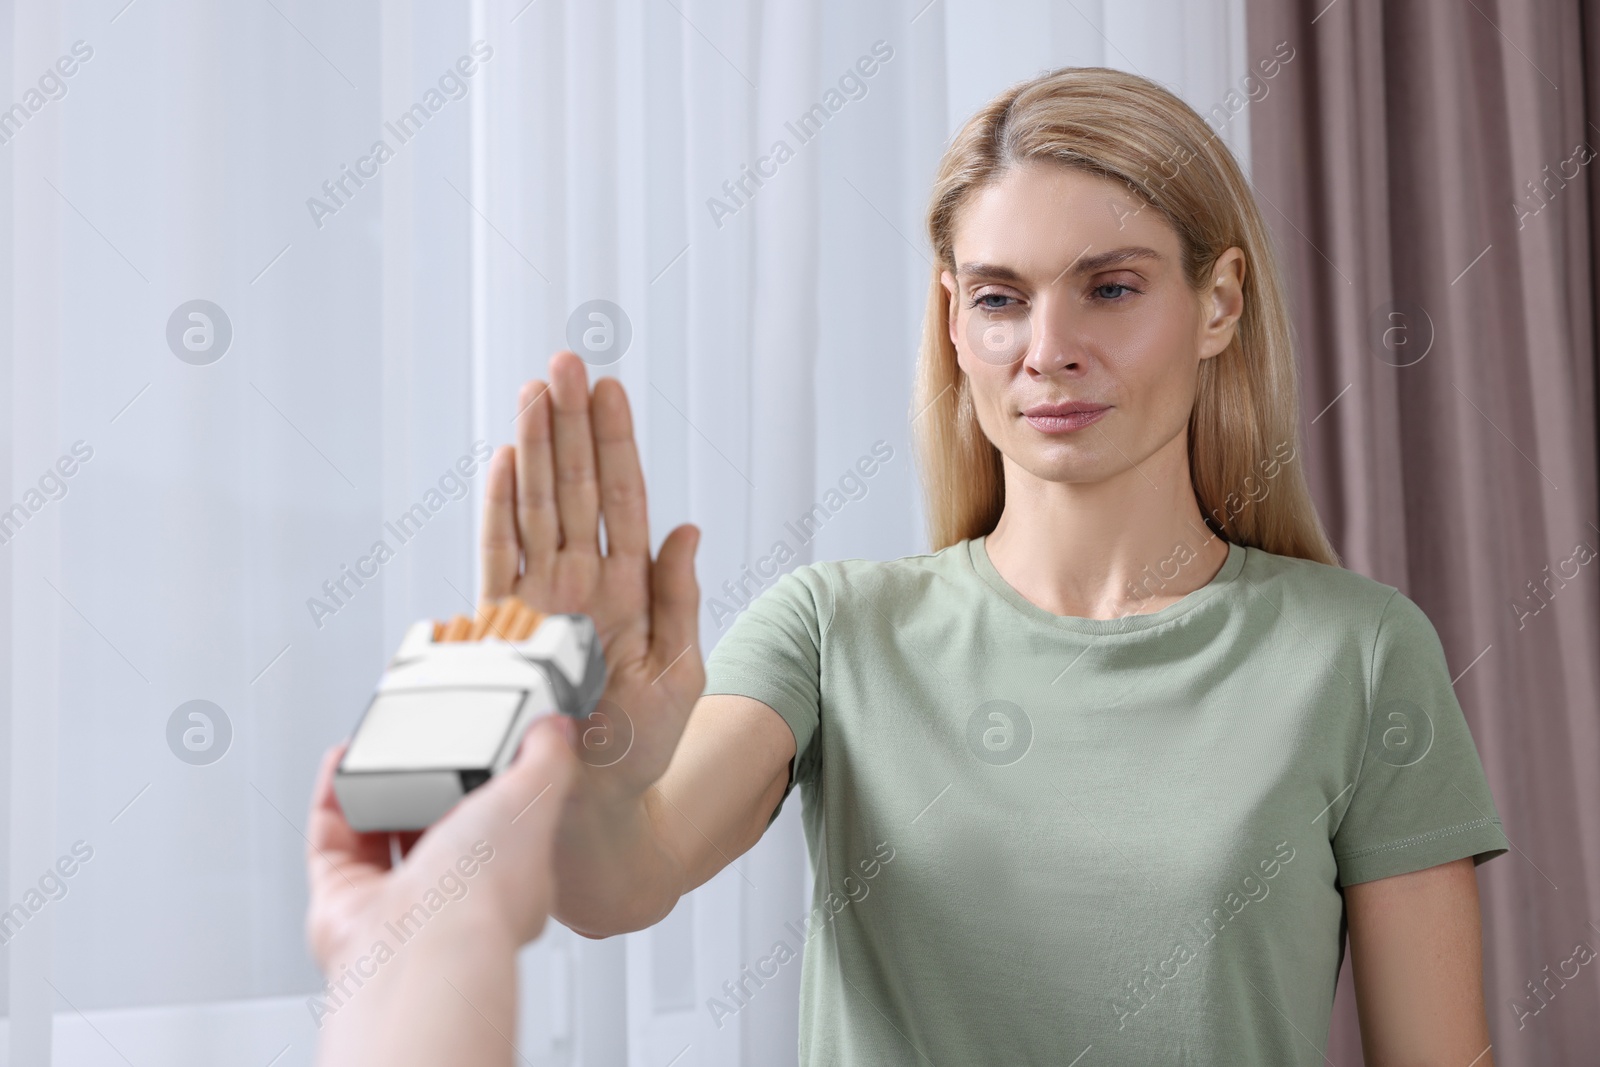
(1079, 335)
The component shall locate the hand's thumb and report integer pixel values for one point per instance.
(535, 785)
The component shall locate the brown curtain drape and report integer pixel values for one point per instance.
(1429, 170)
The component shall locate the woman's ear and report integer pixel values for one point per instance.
(948, 280)
(1222, 302)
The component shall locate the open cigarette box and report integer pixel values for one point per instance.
(449, 714)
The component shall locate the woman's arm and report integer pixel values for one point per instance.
(677, 786)
(1416, 949)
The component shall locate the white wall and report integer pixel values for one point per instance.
(368, 353)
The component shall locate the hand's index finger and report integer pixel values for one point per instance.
(502, 552)
(535, 496)
(322, 795)
(335, 851)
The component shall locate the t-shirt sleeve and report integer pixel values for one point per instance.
(773, 653)
(1420, 797)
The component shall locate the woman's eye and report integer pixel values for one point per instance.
(1112, 291)
(982, 300)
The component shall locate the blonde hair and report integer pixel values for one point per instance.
(1130, 130)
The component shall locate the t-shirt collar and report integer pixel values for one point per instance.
(1225, 579)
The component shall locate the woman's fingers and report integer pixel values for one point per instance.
(622, 495)
(674, 599)
(502, 552)
(537, 525)
(576, 489)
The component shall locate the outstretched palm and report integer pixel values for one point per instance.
(575, 463)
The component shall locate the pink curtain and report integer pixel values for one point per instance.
(1429, 168)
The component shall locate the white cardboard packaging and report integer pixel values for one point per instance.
(447, 716)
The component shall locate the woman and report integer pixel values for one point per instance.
(1103, 777)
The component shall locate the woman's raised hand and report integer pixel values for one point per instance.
(574, 464)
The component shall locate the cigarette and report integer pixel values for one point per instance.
(513, 623)
(481, 620)
(527, 619)
(506, 619)
(504, 613)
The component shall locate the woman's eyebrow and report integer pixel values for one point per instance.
(993, 271)
(1084, 264)
(1090, 264)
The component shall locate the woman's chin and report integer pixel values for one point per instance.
(1068, 464)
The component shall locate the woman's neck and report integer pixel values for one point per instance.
(1129, 545)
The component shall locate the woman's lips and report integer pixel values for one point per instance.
(1063, 418)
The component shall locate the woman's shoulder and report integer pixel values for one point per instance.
(916, 569)
(824, 584)
(1327, 591)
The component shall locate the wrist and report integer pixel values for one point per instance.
(604, 792)
(613, 874)
(411, 912)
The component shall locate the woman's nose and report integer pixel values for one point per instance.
(1054, 343)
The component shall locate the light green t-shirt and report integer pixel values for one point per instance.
(1035, 834)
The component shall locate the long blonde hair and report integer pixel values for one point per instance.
(1130, 130)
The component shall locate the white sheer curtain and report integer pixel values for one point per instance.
(376, 334)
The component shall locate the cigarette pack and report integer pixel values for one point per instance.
(448, 715)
